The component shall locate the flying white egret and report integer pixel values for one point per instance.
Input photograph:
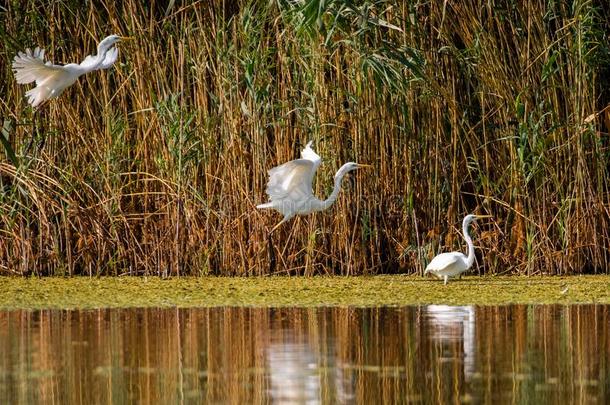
(451, 264)
(52, 80)
(290, 186)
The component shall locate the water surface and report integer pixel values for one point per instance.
(426, 354)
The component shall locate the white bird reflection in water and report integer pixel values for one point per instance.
(454, 324)
(298, 374)
(294, 375)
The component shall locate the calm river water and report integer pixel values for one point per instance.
(428, 354)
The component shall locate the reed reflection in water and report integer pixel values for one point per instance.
(433, 354)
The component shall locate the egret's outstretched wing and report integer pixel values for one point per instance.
(309, 154)
(29, 66)
(312, 156)
(49, 78)
(89, 63)
(291, 180)
(443, 261)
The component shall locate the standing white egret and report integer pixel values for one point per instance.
(290, 186)
(451, 264)
(51, 80)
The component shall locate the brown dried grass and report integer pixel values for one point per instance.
(155, 166)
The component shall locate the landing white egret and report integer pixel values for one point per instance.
(51, 80)
(290, 186)
(451, 264)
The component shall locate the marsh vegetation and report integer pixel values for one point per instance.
(155, 166)
(31, 293)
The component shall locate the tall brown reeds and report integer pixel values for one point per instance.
(155, 166)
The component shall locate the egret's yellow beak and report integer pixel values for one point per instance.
(484, 216)
(365, 166)
(126, 38)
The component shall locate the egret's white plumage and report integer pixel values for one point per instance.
(451, 264)
(290, 186)
(51, 80)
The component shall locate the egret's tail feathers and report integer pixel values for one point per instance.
(265, 205)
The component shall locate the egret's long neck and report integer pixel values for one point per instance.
(337, 188)
(470, 258)
(99, 58)
(102, 49)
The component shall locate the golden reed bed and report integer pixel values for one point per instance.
(155, 166)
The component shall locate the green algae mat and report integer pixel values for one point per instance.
(396, 290)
